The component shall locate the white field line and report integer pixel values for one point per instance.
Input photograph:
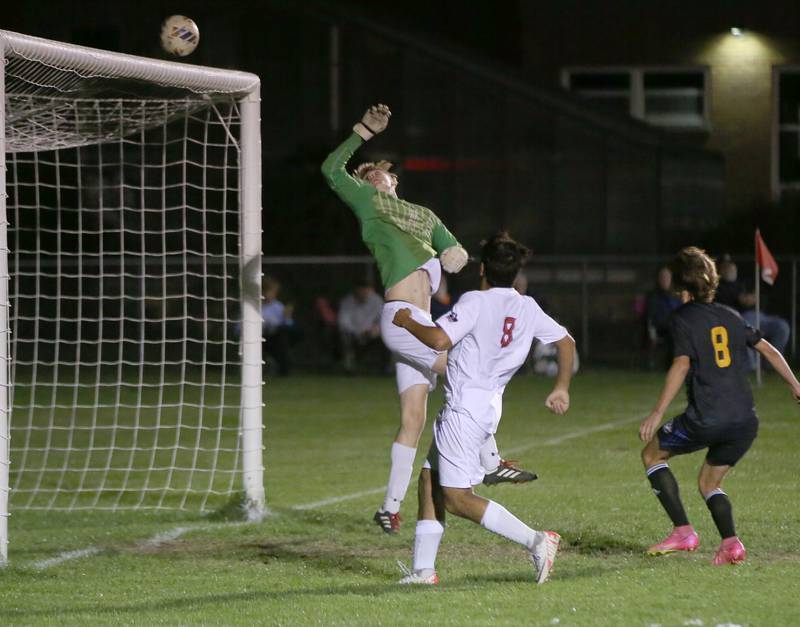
(65, 557)
(607, 426)
(339, 499)
(154, 542)
(166, 536)
(173, 534)
(512, 451)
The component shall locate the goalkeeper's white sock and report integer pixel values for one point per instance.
(490, 456)
(426, 544)
(399, 476)
(499, 520)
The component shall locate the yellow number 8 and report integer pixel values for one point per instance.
(719, 339)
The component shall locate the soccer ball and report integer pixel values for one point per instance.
(179, 35)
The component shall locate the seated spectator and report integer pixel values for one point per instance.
(327, 330)
(660, 302)
(278, 328)
(360, 325)
(733, 293)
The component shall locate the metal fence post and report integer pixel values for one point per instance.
(794, 309)
(584, 311)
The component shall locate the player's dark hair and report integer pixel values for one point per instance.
(694, 271)
(502, 257)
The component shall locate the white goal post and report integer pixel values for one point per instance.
(130, 282)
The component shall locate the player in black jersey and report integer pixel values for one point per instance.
(710, 352)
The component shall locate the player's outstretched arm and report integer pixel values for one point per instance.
(777, 361)
(558, 400)
(375, 120)
(430, 336)
(675, 377)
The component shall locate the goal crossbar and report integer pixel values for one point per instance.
(56, 96)
(85, 63)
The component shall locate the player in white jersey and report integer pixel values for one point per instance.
(488, 335)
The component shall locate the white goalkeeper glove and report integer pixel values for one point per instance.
(453, 259)
(375, 120)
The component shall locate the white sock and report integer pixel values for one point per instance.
(426, 544)
(499, 520)
(399, 476)
(490, 456)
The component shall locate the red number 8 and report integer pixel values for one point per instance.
(508, 332)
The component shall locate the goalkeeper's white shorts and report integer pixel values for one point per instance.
(413, 360)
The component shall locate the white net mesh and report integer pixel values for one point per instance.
(125, 300)
(125, 290)
(39, 123)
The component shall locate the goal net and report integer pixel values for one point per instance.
(130, 264)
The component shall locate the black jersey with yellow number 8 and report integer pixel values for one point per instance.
(716, 339)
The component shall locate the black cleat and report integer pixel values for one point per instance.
(390, 523)
(506, 472)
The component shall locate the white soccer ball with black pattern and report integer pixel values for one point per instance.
(179, 35)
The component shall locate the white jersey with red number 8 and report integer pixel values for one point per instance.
(491, 331)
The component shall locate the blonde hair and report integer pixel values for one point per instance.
(694, 271)
(364, 169)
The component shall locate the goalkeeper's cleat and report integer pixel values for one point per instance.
(390, 523)
(543, 554)
(424, 577)
(682, 538)
(731, 551)
(506, 472)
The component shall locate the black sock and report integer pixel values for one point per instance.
(722, 512)
(666, 489)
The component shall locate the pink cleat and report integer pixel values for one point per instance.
(731, 551)
(682, 538)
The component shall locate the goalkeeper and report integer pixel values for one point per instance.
(405, 240)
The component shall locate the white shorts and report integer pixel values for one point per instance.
(414, 360)
(455, 452)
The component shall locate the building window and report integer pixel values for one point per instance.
(608, 90)
(788, 128)
(675, 98)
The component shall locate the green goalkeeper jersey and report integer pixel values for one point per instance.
(400, 235)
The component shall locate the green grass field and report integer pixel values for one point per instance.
(311, 562)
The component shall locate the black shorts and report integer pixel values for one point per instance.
(679, 436)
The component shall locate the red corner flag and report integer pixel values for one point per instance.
(765, 261)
